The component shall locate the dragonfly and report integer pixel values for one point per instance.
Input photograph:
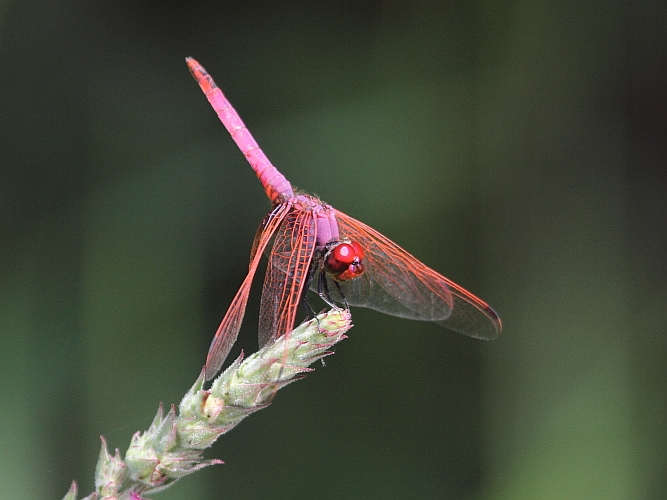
(311, 245)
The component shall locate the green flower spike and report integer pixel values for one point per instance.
(173, 444)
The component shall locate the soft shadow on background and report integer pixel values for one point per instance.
(519, 148)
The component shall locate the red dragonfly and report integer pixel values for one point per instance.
(311, 244)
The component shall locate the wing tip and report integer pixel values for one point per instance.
(495, 319)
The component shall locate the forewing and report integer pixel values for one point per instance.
(265, 221)
(396, 283)
(286, 274)
(229, 328)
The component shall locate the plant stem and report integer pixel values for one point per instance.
(173, 445)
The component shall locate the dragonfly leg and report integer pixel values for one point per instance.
(342, 295)
(310, 313)
(325, 295)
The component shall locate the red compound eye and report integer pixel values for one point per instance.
(345, 261)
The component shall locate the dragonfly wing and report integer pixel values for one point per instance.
(229, 328)
(265, 222)
(286, 274)
(396, 283)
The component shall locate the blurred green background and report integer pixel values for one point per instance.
(517, 147)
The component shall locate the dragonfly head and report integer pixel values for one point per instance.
(345, 261)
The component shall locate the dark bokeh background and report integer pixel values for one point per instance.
(518, 147)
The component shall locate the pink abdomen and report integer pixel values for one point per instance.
(276, 186)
